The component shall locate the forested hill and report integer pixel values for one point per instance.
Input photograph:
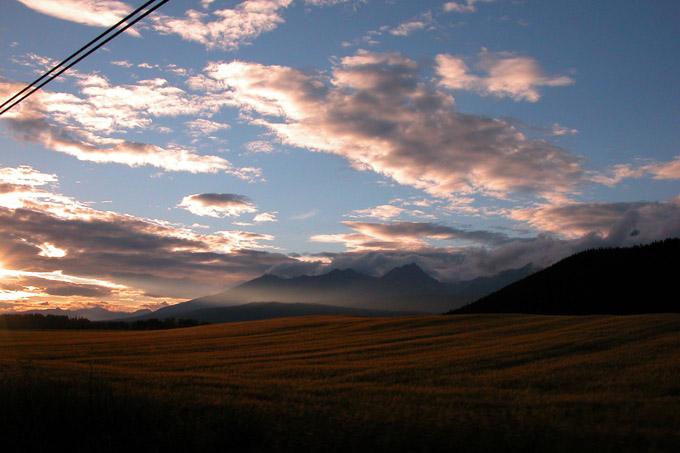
(633, 280)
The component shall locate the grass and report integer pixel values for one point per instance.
(438, 383)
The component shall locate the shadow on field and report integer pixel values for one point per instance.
(86, 414)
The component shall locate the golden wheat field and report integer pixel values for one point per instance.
(436, 383)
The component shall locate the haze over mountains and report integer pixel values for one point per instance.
(600, 281)
(403, 290)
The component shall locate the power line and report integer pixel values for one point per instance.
(33, 87)
(113, 27)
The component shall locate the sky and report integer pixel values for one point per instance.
(215, 141)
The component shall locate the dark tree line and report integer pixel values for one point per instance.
(58, 322)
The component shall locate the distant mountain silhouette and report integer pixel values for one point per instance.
(93, 314)
(406, 289)
(633, 280)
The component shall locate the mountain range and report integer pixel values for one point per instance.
(600, 281)
(93, 314)
(617, 281)
(403, 290)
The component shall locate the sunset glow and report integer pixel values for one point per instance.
(216, 141)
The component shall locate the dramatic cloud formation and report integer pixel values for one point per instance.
(51, 237)
(377, 112)
(506, 75)
(217, 204)
(57, 250)
(205, 99)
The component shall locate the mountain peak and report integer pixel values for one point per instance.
(341, 275)
(409, 273)
(342, 271)
(347, 271)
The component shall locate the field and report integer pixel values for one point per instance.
(437, 383)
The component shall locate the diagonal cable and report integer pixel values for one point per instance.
(33, 87)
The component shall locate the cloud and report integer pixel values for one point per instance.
(265, 217)
(558, 130)
(377, 112)
(127, 260)
(305, 215)
(120, 151)
(330, 2)
(459, 263)
(68, 124)
(505, 75)
(101, 13)
(217, 204)
(111, 108)
(259, 146)
(404, 236)
(625, 222)
(25, 175)
(419, 23)
(202, 126)
(382, 212)
(78, 290)
(226, 29)
(246, 239)
(229, 29)
(654, 170)
(122, 63)
(50, 251)
(469, 6)
(137, 258)
(664, 170)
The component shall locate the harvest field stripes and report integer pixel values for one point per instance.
(435, 383)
